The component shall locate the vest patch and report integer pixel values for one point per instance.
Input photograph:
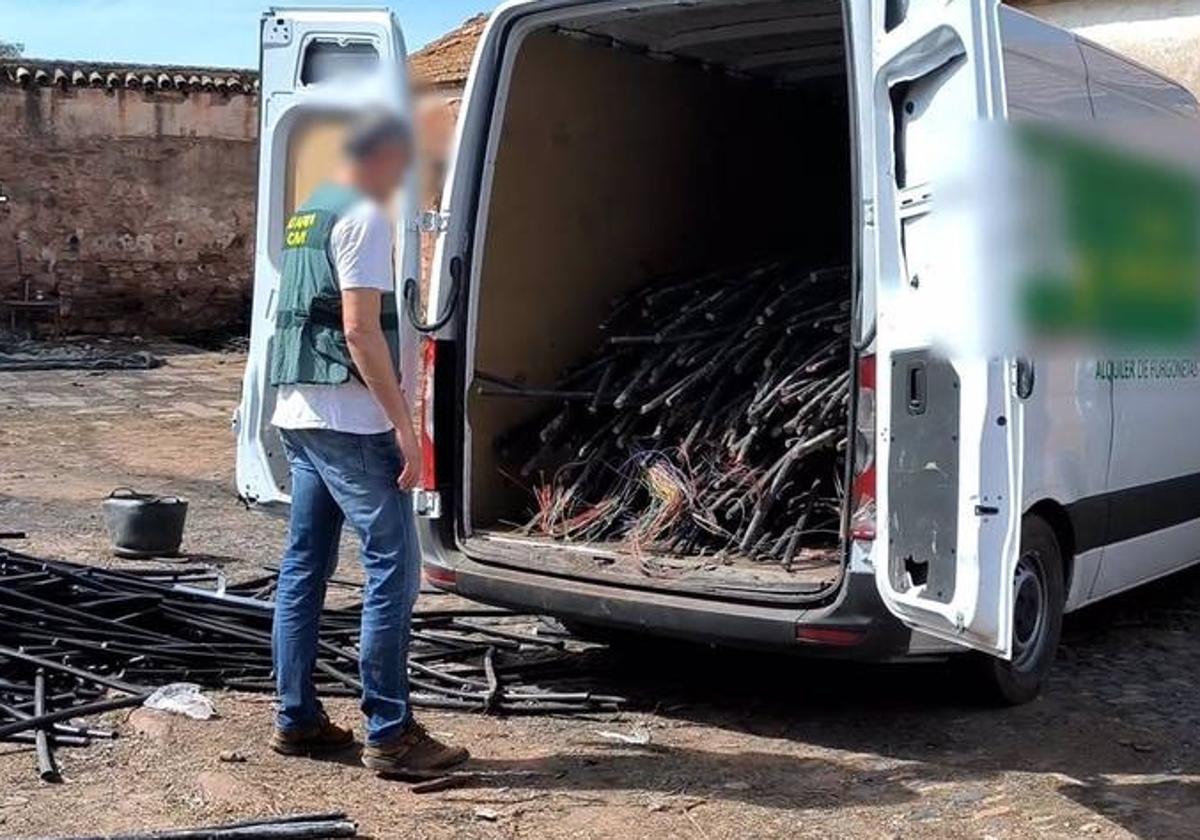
(298, 227)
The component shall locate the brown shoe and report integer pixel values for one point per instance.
(413, 752)
(323, 737)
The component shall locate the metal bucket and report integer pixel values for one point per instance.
(144, 525)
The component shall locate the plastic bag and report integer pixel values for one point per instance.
(182, 699)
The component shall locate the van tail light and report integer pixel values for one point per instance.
(428, 479)
(440, 576)
(815, 634)
(862, 489)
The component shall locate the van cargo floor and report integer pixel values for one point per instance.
(814, 570)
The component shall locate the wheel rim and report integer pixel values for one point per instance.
(1029, 610)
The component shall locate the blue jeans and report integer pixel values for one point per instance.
(339, 477)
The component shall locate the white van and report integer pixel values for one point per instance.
(600, 142)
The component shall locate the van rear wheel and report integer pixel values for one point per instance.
(1038, 598)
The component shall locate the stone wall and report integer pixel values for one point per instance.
(134, 207)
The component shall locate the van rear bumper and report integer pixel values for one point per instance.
(854, 625)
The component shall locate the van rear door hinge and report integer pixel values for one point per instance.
(430, 221)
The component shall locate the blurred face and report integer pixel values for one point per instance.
(381, 173)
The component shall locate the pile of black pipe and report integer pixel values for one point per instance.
(711, 420)
(79, 640)
(34, 355)
(294, 827)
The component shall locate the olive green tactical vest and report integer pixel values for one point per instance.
(310, 341)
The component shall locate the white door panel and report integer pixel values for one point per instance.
(1139, 560)
(1068, 437)
(1155, 474)
(318, 68)
(950, 429)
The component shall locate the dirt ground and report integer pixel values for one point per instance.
(739, 746)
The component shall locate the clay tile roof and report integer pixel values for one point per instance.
(447, 61)
(442, 63)
(31, 72)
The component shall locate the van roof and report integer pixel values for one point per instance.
(1118, 56)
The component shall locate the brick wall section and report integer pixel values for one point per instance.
(436, 117)
(439, 73)
(136, 208)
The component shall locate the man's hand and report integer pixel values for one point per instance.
(373, 358)
(411, 451)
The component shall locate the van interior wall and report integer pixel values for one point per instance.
(613, 169)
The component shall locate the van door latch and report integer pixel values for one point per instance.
(918, 389)
(430, 221)
(1026, 377)
(427, 504)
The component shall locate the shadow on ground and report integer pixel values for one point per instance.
(1118, 722)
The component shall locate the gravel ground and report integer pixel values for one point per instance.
(739, 746)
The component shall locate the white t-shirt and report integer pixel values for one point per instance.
(361, 246)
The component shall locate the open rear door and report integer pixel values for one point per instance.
(318, 68)
(949, 425)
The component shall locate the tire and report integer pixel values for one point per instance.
(1038, 600)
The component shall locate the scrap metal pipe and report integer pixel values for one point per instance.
(47, 767)
(287, 828)
(74, 632)
(99, 707)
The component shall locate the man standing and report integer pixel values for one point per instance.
(349, 440)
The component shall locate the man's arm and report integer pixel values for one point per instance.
(373, 359)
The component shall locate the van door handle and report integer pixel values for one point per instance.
(411, 295)
(1026, 378)
(917, 388)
